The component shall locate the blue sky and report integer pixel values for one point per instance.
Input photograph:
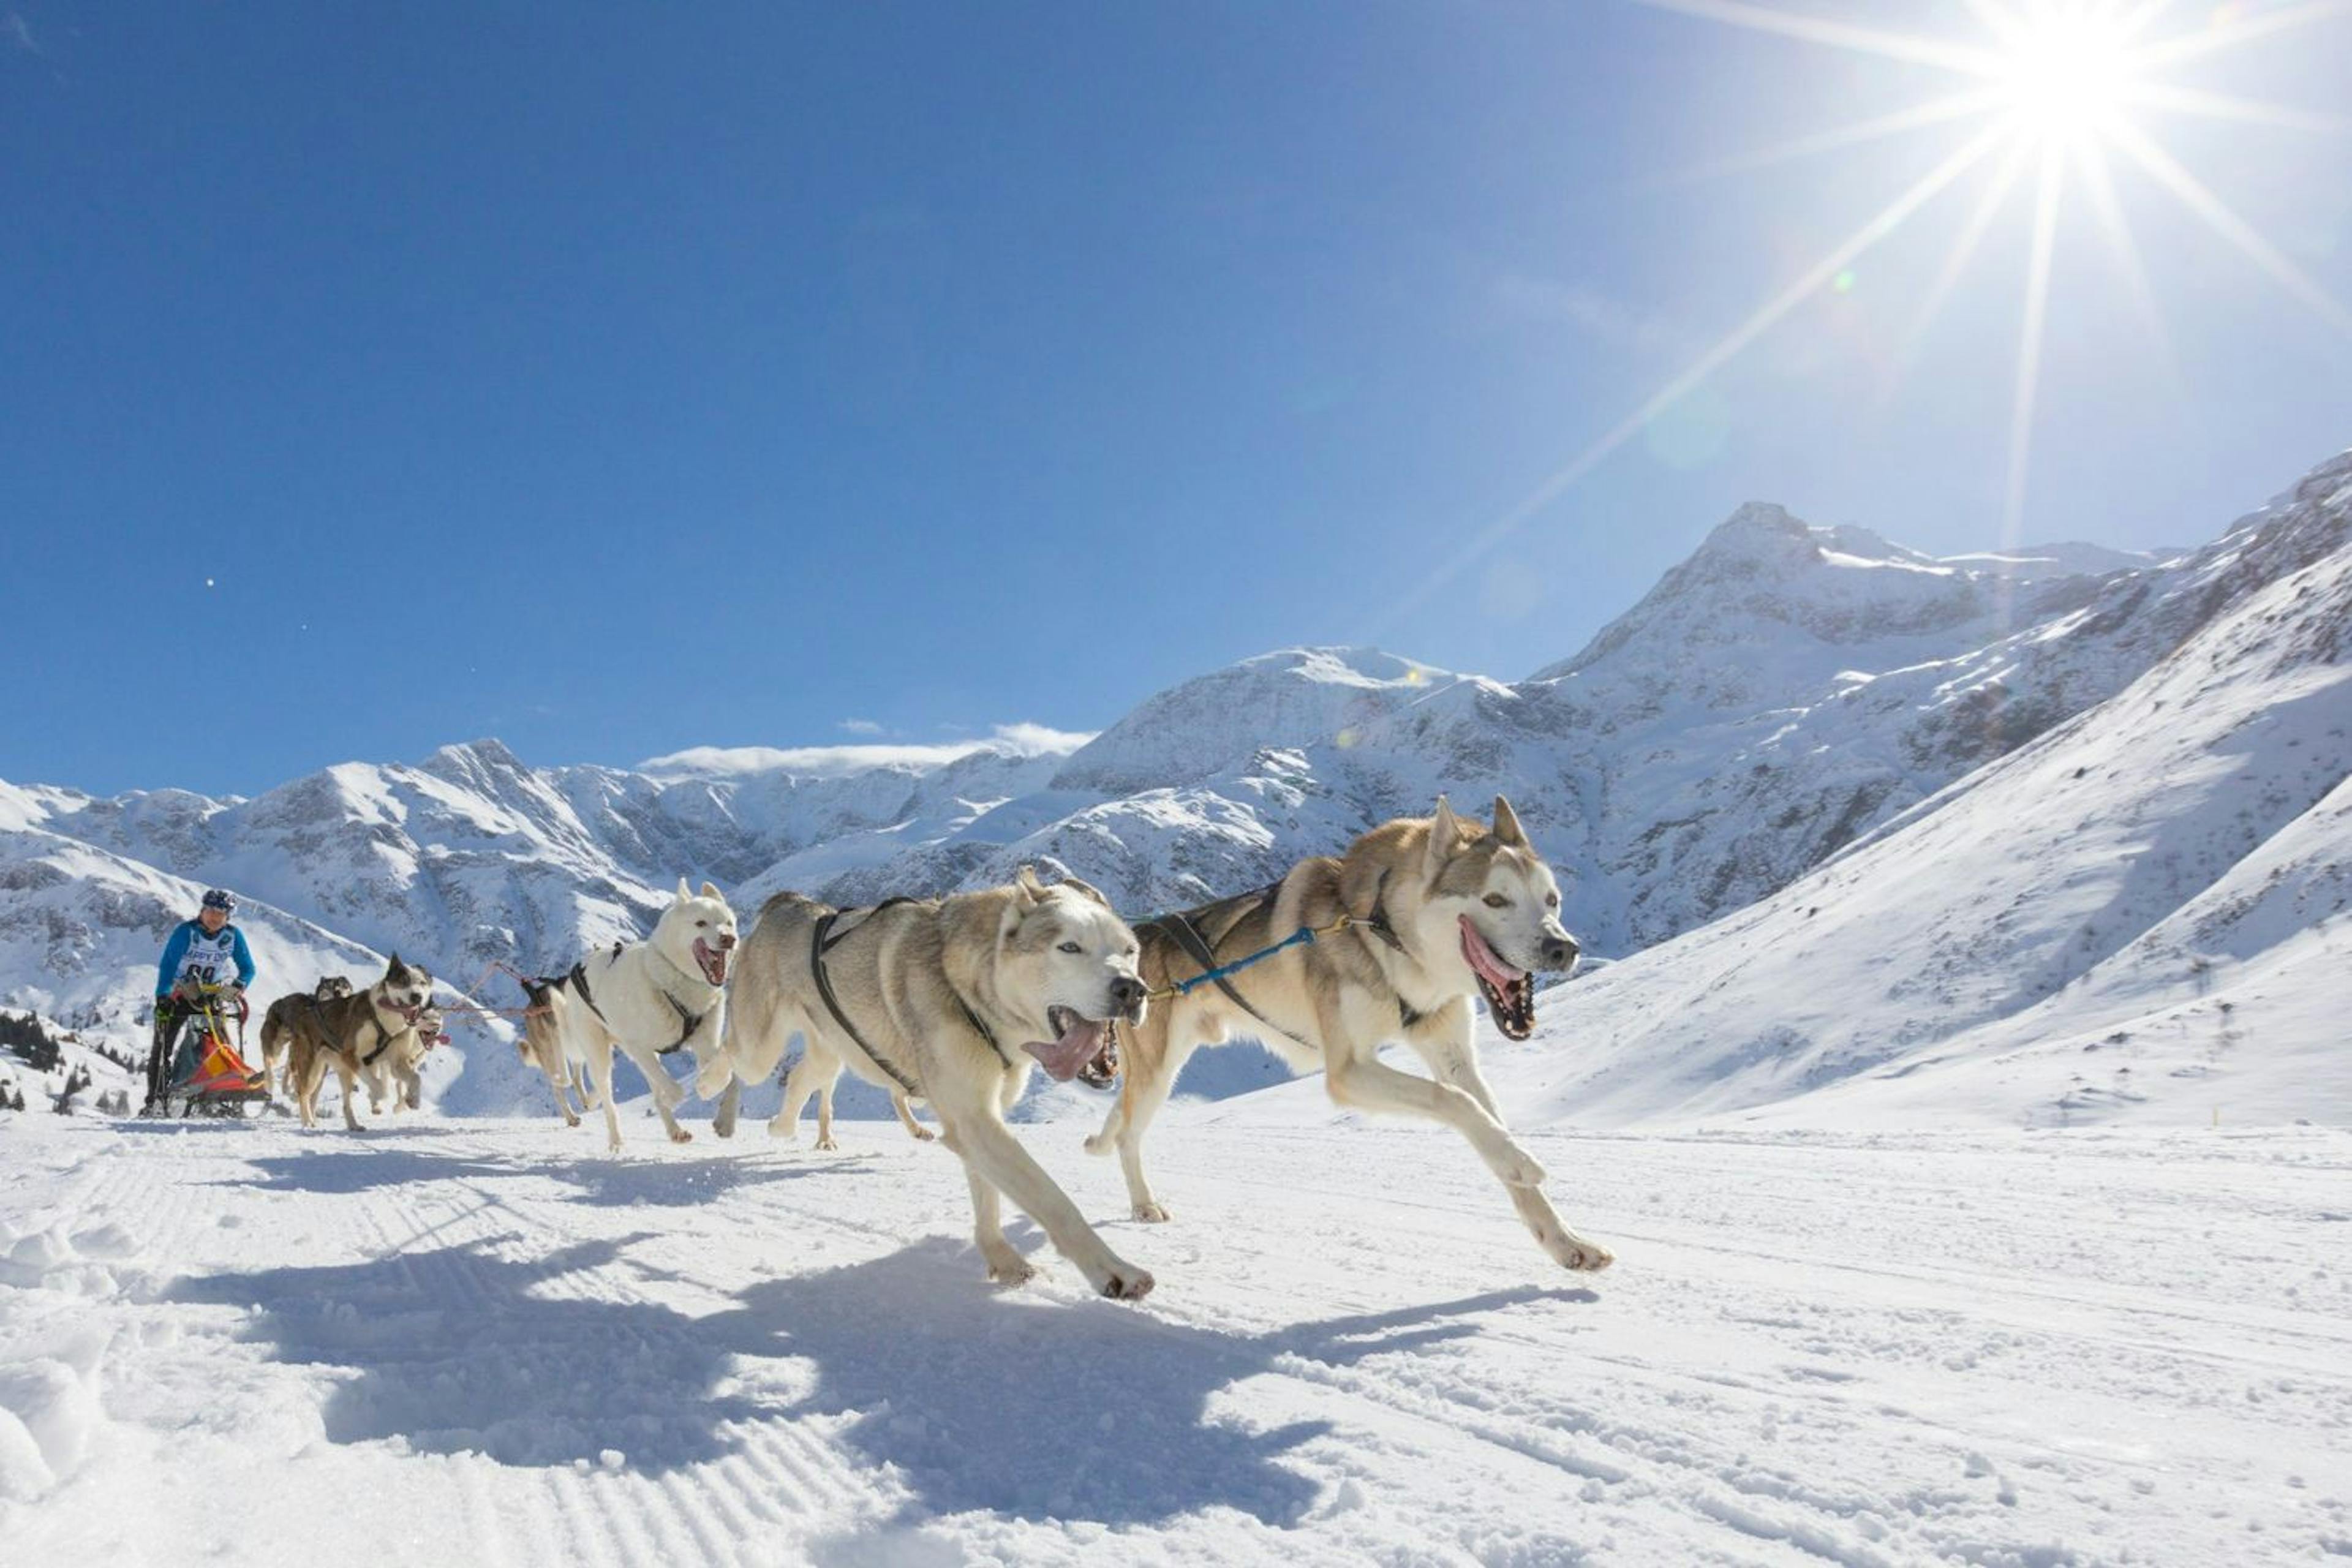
(615, 379)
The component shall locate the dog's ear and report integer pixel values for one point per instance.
(1033, 891)
(710, 890)
(1445, 829)
(682, 894)
(1086, 890)
(1507, 831)
(396, 969)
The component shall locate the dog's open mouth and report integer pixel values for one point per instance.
(1511, 993)
(713, 961)
(1083, 1048)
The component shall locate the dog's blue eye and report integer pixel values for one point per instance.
(1072, 947)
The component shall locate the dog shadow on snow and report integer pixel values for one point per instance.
(675, 1181)
(1002, 1401)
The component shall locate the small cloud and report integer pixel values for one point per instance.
(859, 727)
(1038, 739)
(19, 32)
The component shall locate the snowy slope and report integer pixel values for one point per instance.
(487, 1343)
(2145, 915)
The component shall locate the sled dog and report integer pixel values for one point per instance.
(648, 999)
(1440, 909)
(398, 1072)
(950, 1001)
(541, 1045)
(278, 1024)
(350, 1034)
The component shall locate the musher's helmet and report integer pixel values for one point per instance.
(219, 899)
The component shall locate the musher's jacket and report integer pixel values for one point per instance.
(192, 954)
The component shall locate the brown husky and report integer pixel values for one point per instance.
(350, 1034)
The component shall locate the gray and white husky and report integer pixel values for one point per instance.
(952, 1001)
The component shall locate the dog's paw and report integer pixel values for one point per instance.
(1570, 1250)
(1011, 1270)
(923, 1135)
(1128, 1285)
(680, 1135)
(1154, 1212)
(826, 1145)
(570, 1119)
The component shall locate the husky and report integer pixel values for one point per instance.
(278, 1024)
(541, 1045)
(1439, 909)
(648, 999)
(398, 1072)
(349, 1034)
(952, 1001)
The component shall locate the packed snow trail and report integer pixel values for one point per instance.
(486, 1341)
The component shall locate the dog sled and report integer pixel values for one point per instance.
(202, 1070)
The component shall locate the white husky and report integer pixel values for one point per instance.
(648, 999)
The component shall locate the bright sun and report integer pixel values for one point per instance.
(2064, 77)
(2054, 95)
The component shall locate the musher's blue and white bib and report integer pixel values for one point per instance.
(210, 959)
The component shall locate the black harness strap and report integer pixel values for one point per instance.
(984, 1032)
(686, 1022)
(818, 945)
(383, 1043)
(579, 978)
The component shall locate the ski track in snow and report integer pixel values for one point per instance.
(486, 1341)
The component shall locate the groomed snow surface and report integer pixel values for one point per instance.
(485, 1342)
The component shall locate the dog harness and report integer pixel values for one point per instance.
(686, 1022)
(1181, 927)
(822, 941)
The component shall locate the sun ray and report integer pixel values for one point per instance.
(1839, 34)
(2030, 336)
(1999, 19)
(1972, 233)
(2099, 185)
(1935, 111)
(2221, 220)
(1807, 285)
(2220, 106)
(2230, 35)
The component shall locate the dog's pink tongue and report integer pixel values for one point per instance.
(714, 964)
(1485, 960)
(1066, 1056)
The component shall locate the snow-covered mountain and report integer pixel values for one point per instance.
(2143, 914)
(1785, 698)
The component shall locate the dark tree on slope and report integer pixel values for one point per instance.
(29, 1039)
